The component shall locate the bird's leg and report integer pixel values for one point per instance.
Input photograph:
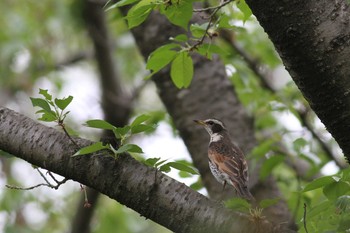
(223, 187)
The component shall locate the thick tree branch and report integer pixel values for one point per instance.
(167, 201)
(313, 40)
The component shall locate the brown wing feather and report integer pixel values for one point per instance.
(230, 160)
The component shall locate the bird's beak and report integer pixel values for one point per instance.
(199, 122)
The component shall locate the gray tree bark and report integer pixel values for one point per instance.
(211, 95)
(313, 40)
(153, 194)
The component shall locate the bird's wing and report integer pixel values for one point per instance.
(232, 163)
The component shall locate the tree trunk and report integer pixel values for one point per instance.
(211, 95)
(313, 40)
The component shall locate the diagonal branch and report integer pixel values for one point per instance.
(186, 210)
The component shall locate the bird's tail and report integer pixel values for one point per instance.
(243, 191)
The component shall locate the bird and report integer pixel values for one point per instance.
(226, 160)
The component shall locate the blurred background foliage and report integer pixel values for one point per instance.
(44, 44)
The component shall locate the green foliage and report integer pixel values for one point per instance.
(51, 110)
(138, 125)
(164, 166)
(181, 71)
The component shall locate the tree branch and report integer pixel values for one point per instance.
(164, 200)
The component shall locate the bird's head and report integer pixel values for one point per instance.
(213, 126)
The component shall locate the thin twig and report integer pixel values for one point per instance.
(66, 132)
(48, 184)
(211, 18)
(304, 219)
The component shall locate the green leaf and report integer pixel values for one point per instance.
(121, 3)
(161, 57)
(129, 148)
(336, 189)
(182, 70)
(318, 183)
(238, 204)
(268, 202)
(90, 149)
(165, 168)
(182, 167)
(160, 162)
(197, 185)
(48, 116)
(244, 8)
(198, 30)
(37, 102)
(151, 161)
(179, 12)
(343, 204)
(263, 148)
(180, 38)
(45, 93)
(299, 143)
(121, 131)
(139, 12)
(140, 119)
(100, 124)
(141, 128)
(319, 208)
(269, 165)
(208, 50)
(63, 103)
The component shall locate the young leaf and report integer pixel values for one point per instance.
(165, 168)
(318, 183)
(180, 38)
(139, 12)
(182, 70)
(100, 124)
(336, 189)
(268, 202)
(242, 5)
(182, 167)
(122, 131)
(63, 103)
(141, 128)
(121, 3)
(151, 161)
(129, 148)
(140, 119)
(179, 13)
(198, 30)
(90, 149)
(161, 57)
(45, 93)
(269, 164)
(48, 116)
(238, 204)
(37, 102)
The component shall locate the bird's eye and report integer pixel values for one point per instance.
(210, 123)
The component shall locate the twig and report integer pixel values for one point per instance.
(212, 7)
(66, 132)
(86, 200)
(211, 18)
(48, 184)
(304, 219)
